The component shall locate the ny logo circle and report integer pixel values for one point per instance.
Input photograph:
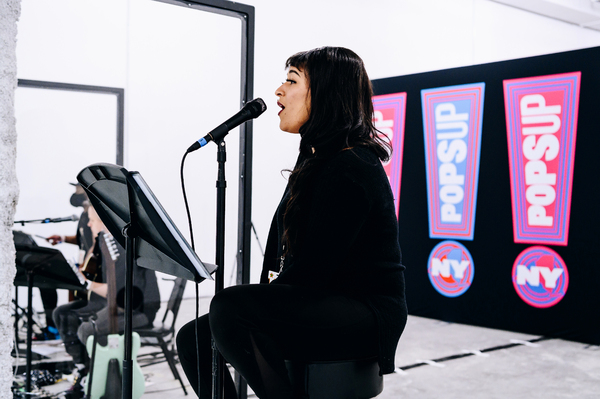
(450, 268)
(540, 277)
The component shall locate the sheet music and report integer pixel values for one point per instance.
(183, 244)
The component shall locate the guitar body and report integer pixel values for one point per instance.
(91, 269)
(114, 350)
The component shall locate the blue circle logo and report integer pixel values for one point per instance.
(540, 277)
(450, 268)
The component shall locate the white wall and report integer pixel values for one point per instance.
(180, 71)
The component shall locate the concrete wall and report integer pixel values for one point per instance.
(9, 188)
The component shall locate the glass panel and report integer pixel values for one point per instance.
(59, 133)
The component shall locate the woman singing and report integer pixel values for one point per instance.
(332, 284)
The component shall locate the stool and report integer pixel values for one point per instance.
(349, 379)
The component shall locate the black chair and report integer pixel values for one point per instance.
(357, 379)
(164, 335)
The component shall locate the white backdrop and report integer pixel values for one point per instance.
(180, 71)
(59, 133)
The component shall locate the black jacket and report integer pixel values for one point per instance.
(349, 242)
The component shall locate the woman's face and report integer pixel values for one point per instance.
(294, 101)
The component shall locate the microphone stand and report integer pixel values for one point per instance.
(44, 221)
(218, 364)
(29, 331)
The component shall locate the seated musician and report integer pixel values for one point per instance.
(68, 318)
(84, 240)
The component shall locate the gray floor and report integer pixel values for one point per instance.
(505, 365)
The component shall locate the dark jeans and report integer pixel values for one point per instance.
(86, 329)
(68, 318)
(49, 300)
(257, 327)
(74, 329)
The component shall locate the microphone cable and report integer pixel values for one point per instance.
(189, 217)
(185, 200)
(191, 231)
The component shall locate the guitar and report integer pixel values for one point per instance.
(90, 269)
(115, 347)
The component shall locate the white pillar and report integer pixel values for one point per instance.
(9, 187)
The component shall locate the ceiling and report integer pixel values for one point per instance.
(584, 13)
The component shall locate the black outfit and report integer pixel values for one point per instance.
(340, 296)
(68, 318)
(84, 233)
(49, 295)
(49, 301)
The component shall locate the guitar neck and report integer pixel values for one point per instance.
(109, 257)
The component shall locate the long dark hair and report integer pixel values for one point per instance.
(341, 117)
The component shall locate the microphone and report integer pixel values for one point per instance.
(251, 110)
(72, 218)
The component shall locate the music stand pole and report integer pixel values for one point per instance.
(218, 363)
(129, 233)
(133, 214)
(29, 330)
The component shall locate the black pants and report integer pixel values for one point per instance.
(257, 327)
(74, 328)
(49, 300)
(69, 317)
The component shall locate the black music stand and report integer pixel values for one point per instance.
(50, 269)
(136, 219)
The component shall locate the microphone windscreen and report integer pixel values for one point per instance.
(257, 107)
